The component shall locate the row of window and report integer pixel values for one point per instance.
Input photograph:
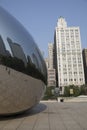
(68, 40)
(70, 74)
(67, 31)
(75, 73)
(81, 79)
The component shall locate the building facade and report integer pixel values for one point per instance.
(46, 61)
(51, 70)
(68, 51)
(51, 77)
(84, 52)
(50, 55)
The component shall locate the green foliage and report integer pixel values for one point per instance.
(83, 90)
(76, 91)
(66, 91)
(48, 93)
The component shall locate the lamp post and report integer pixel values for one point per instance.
(56, 93)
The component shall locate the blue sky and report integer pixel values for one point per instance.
(39, 17)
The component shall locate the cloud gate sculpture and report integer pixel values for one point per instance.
(23, 71)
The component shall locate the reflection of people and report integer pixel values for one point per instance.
(29, 59)
(6, 68)
(9, 71)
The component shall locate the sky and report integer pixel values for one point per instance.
(40, 17)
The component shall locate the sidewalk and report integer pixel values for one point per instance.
(49, 115)
(75, 99)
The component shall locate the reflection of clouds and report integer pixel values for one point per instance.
(17, 50)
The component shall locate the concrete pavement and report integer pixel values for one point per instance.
(81, 98)
(49, 115)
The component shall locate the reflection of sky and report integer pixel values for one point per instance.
(10, 28)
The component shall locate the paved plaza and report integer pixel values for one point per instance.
(49, 115)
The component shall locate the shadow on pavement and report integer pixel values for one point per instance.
(35, 110)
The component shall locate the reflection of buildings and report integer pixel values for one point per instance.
(69, 54)
(17, 51)
(85, 63)
(2, 47)
(41, 62)
(35, 60)
(3, 50)
(21, 87)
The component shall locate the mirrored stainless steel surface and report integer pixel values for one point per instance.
(23, 73)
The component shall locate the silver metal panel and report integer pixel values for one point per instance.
(23, 73)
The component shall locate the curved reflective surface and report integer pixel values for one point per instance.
(23, 71)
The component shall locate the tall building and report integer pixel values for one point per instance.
(50, 54)
(68, 51)
(46, 61)
(84, 52)
(51, 77)
(50, 68)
